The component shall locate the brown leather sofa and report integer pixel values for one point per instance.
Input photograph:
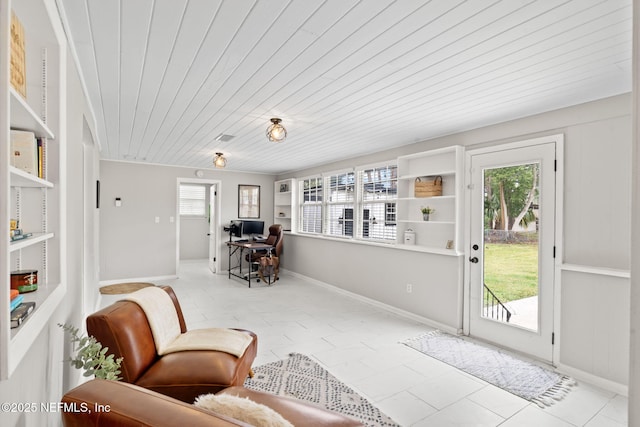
(112, 403)
(123, 327)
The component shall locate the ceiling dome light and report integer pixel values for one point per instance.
(276, 132)
(219, 161)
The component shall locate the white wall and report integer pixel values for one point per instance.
(594, 309)
(194, 242)
(132, 244)
(43, 375)
(382, 274)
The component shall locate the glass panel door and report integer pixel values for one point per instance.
(511, 218)
(511, 247)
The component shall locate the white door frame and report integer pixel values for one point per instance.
(215, 219)
(558, 139)
(213, 241)
(90, 223)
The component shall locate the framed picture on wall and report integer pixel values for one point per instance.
(248, 201)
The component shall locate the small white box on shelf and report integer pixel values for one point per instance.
(409, 237)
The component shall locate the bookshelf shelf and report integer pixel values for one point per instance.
(29, 241)
(426, 223)
(23, 179)
(443, 230)
(284, 205)
(431, 173)
(24, 118)
(37, 204)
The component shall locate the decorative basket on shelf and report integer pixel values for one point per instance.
(426, 186)
(18, 66)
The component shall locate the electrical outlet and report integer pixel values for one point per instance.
(409, 288)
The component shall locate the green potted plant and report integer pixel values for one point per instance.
(91, 356)
(426, 211)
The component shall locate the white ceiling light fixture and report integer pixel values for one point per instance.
(276, 132)
(219, 161)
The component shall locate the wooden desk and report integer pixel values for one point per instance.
(239, 249)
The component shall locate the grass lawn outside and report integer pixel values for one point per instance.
(511, 270)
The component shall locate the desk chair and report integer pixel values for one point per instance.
(274, 239)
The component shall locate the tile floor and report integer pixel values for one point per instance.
(359, 344)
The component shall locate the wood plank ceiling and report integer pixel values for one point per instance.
(347, 77)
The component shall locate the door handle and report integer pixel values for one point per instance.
(474, 259)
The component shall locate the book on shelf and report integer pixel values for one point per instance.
(16, 302)
(24, 151)
(21, 312)
(20, 236)
(41, 152)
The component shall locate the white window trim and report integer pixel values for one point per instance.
(361, 202)
(326, 203)
(358, 204)
(301, 205)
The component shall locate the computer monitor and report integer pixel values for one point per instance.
(234, 229)
(253, 228)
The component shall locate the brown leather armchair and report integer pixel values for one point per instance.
(184, 375)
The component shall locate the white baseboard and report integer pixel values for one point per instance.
(399, 312)
(580, 375)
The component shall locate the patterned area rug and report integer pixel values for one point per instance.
(302, 378)
(527, 380)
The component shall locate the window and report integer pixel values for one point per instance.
(378, 194)
(340, 204)
(356, 204)
(193, 200)
(311, 205)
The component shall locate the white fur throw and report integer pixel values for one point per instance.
(161, 314)
(242, 409)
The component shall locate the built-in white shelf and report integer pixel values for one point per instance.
(431, 173)
(444, 226)
(20, 178)
(428, 249)
(37, 203)
(448, 197)
(29, 241)
(24, 118)
(284, 204)
(427, 223)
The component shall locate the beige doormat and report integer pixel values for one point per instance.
(123, 288)
(530, 381)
